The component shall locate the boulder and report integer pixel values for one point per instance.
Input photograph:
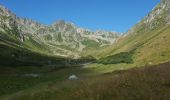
(72, 77)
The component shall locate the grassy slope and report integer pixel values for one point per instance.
(139, 83)
(148, 39)
(155, 50)
(146, 45)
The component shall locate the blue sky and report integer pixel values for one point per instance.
(111, 15)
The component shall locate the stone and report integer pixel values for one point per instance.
(72, 77)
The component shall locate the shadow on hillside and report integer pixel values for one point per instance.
(11, 56)
(122, 57)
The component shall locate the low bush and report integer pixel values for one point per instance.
(123, 57)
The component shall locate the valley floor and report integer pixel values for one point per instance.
(94, 83)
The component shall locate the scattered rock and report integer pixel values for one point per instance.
(72, 77)
(13, 55)
(32, 75)
(150, 63)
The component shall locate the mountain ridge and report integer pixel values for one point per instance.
(68, 40)
(63, 37)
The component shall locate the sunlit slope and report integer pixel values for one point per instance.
(149, 39)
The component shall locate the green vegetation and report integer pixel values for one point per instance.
(91, 44)
(15, 79)
(21, 56)
(123, 57)
(145, 45)
(146, 83)
(34, 45)
(128, 70)
(31, 53)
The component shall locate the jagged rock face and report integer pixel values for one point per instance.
(6, 18)
(158, 17)
(67, 34)
(60, 35)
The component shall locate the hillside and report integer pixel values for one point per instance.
(148, 41)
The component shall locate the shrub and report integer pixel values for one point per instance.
(123, 57)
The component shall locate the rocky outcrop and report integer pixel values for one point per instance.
(159, 16)
(60, 35)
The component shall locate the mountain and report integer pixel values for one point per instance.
(32, 66)
(145, 43)
(140, 45)
(61, 38)
(158, 17)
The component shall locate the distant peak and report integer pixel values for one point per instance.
(60, 22)
(1, 6)
(4, 8)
